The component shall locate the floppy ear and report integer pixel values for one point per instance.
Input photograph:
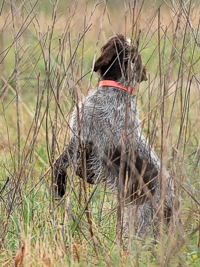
(108, 52)
(143, 74)
(140, 69)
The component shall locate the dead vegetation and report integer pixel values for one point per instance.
(47, 50)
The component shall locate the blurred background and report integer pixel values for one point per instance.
(47, 51)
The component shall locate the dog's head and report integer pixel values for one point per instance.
(120, 61)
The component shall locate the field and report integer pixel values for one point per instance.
(47, 50)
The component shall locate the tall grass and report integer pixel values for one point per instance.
(47, 49)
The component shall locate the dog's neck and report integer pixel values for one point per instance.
(112, 83)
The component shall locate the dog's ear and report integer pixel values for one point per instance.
(143, 75)
(140, 69)
(108, 52)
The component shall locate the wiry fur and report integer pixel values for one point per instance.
(104, 125)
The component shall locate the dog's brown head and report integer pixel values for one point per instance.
(120, 61)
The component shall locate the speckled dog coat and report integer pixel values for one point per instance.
(108, 144)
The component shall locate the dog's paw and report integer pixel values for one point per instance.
(59, 179)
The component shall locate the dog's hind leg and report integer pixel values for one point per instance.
(138, 218)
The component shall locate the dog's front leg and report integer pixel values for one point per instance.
(62, 163)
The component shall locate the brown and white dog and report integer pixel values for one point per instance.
(108, 145)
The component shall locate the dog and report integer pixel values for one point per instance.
(107, 143)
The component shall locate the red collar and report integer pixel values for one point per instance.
(118, 85)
